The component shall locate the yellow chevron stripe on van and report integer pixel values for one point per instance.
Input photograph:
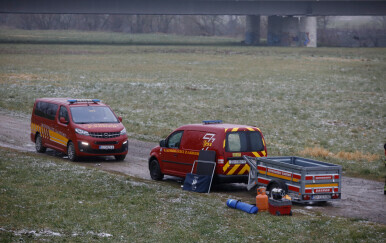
(235, 129)
(235, 167)
(256, 154)
(225, 167)
(250, 129)
(242, 171)
(224, 144)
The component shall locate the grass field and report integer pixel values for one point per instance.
(47, 199)
(326, 103)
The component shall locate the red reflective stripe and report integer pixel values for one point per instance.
(336, 177)
(309, 178)
(262, 181)
(293, 188)
(322, 190)
(297, 176)
(336, 189)
(261, 168)
(308, 191)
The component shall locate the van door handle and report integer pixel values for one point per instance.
(175, 155)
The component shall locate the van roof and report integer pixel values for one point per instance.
(219, 127)
(66, 101)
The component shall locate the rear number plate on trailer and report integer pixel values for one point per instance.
(321, 197)
(106, 147)
(237, 162)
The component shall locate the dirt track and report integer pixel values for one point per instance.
(362, 199)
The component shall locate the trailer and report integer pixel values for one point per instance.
(305, 180)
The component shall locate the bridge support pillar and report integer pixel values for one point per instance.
(291, 31)
(252, 34)
(308, 30)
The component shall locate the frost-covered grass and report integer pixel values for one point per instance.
(47, 199)
(332, 98)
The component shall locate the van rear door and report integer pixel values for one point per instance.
(239, 142)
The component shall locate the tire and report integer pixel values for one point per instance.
(155, 170)
(290, 214)
(277, 184)
(277, 213)
(120, 157)
(39, 144)
(71, 152)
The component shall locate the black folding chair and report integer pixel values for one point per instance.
(201, 181)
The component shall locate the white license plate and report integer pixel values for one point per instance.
(237, 162)
(321, 197)
(106, 147)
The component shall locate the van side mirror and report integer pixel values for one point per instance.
(120, 118)
(162, 143)
(63, 120)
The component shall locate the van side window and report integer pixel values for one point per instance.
(46, 110)
(63, 113)
(174, 140)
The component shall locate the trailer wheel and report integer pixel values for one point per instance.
(277, 213)
(277, 184)
(290, 214)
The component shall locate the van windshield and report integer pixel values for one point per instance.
(92, 114)
(244, 141)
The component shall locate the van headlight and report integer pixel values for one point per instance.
(81, 132)
(123, 132)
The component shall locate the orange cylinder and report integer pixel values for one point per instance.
(261, 199)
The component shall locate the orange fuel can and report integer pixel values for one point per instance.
(261, 199)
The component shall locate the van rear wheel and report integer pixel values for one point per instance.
(39, 144)
(155, 170)
(71, 152)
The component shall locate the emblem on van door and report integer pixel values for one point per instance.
(208, 140)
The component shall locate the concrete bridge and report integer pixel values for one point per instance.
(290, 22)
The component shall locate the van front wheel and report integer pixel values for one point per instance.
(39, 144)
(155, 170)
(71, 152)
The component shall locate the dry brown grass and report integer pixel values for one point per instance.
(316, 152)
(322, 152)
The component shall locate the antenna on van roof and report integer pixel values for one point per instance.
(212, 122)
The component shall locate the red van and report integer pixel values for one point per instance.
(78, 127)
(175, 155)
